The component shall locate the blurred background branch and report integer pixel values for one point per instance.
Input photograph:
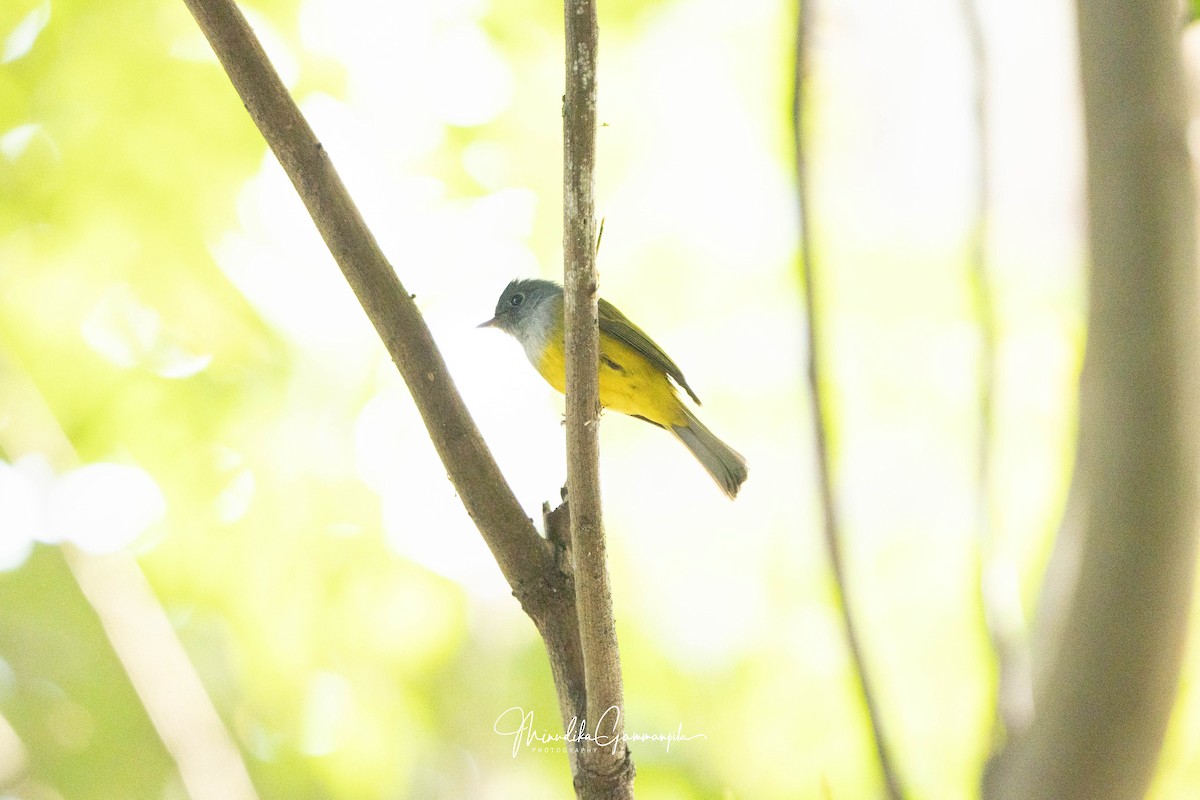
(831, 526)
(138, 630)
(997, 572)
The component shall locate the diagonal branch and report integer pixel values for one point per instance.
(832, 525)
(474, 472)
(528, 562)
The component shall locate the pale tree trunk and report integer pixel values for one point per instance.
(1113, 614)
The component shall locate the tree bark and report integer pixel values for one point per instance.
(605, 769)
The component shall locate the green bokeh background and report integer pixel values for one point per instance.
(165, 306)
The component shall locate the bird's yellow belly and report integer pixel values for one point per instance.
(629, 383)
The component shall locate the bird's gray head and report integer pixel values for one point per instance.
(526, 309)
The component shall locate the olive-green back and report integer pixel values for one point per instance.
(616, 324)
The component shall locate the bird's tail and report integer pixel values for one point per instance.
(725, 464)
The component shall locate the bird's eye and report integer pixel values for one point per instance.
(517, 299)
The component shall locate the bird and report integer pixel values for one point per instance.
(635, 376)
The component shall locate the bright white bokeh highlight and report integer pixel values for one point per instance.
(100, 508)
(22, 38)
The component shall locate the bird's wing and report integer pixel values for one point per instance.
(614, 323)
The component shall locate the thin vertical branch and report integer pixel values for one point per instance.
(832, 526)
(605, 771)
(997, 582)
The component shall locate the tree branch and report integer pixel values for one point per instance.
(529, 563)
(605, 772)
(832, 525)
(472, 470)
(998, 587)
(134, 621)
(1113, 664)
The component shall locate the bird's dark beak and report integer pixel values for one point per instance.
(491, 323)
